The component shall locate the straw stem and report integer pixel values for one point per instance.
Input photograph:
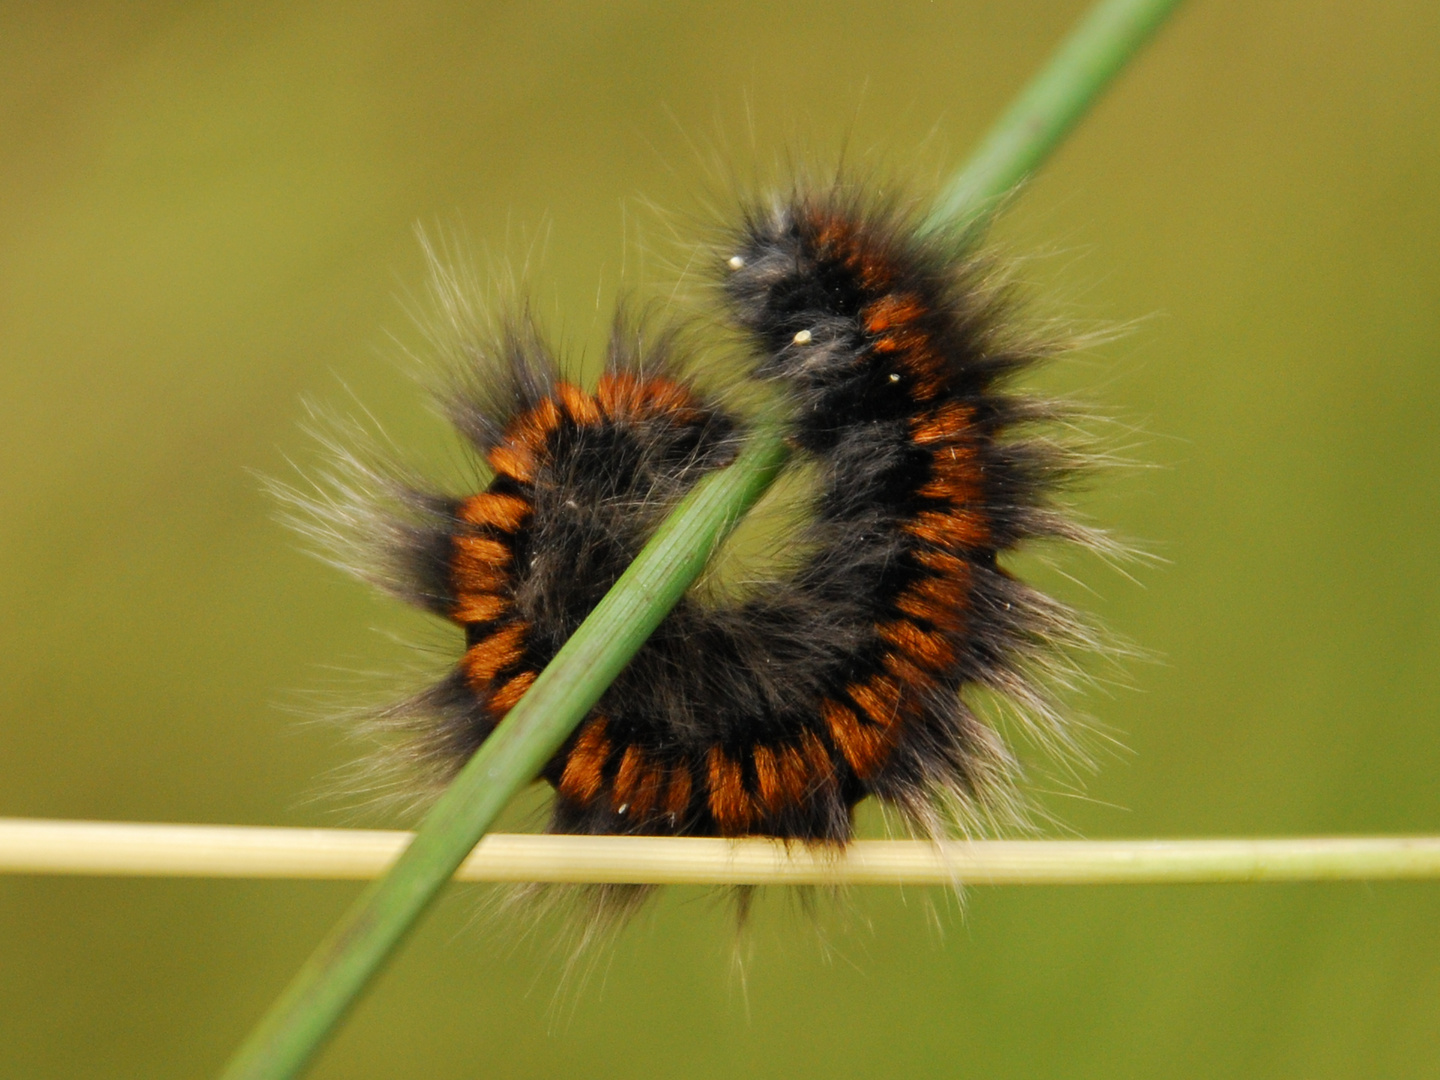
(149, 850)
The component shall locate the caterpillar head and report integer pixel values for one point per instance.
(786, 288)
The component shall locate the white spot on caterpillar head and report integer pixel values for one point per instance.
(804, 337)
(894, 376)
(735, 262)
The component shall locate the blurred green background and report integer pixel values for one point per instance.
(206, 212)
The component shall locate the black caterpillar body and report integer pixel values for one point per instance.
(775, 713)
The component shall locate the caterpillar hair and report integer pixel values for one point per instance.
(775, 711)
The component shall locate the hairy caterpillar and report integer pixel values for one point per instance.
(774, 713)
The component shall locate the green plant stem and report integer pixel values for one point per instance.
(1109, 35)
(331, 980)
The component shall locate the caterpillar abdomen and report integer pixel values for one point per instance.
(773, 713)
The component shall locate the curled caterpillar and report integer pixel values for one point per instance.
(772, 713)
